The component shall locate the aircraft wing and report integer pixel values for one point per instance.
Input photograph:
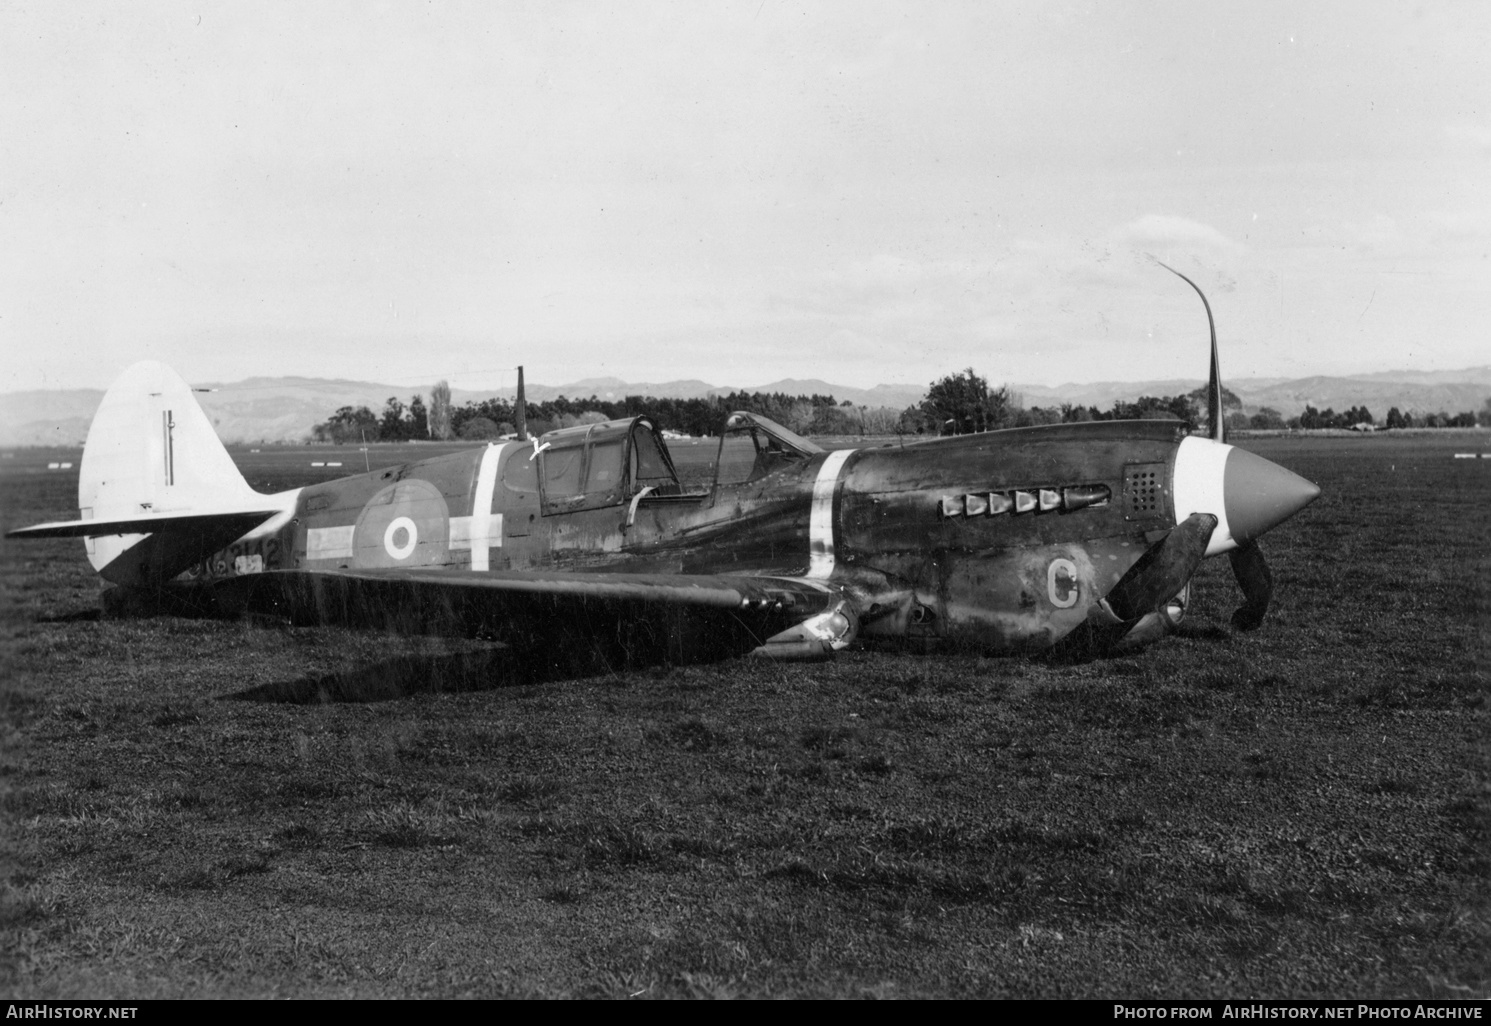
(627, 618)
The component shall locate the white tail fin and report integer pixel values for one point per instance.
(154, 468)
(151, 449)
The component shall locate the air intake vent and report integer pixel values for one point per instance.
(1144, 487)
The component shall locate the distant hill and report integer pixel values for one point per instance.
(899, 396)
(1468, 376)
(615, 388)
(1104, 394)
(285, 409)
(1377, 393)
(1452, 392)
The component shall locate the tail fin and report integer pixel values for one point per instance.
(151, 449)
(156, 490)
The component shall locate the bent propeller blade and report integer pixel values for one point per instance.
(1164, 569)
(1214, 384)
(1256, 582)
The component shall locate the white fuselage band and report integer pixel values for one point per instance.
(821, 520)
(1199, 486)
(482, 529)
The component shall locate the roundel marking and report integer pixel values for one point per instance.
(405, 524)
(400, 537)
(1061, 583)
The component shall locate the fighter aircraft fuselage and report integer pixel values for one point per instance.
(1007, 539)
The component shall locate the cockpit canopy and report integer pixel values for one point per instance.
(591, 466)
(753, 446)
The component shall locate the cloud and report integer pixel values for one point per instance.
(1158, 230)
(1469, 224)
(1377, 233)
(1474, 138)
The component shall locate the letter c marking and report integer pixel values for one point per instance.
(1062, 568)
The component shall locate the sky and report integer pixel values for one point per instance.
(741, 192)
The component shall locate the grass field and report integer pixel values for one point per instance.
(1298, 811)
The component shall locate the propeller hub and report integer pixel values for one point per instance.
(1259, 495)
(1248, 494)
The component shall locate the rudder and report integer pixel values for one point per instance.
(151, 451)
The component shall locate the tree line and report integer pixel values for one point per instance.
(398, 423)
(1482, 418)
(1313, 419)
(956, 404)
(964, 402)
(495, 417)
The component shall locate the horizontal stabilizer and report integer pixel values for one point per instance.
(235, 524)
